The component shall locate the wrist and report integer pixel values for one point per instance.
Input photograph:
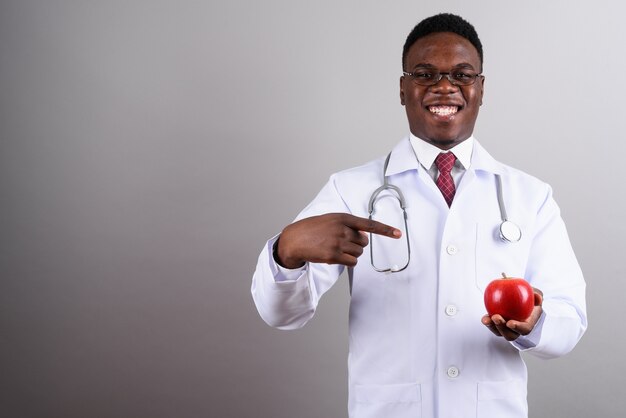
(283, 259)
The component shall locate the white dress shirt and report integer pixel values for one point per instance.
(427, 153)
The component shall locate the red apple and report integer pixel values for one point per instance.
(510, 297)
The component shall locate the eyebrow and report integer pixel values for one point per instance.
(431, 66)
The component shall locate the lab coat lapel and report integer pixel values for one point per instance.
(481, 163)
(403, 159)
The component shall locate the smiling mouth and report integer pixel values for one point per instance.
(443, 110)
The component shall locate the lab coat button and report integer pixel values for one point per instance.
(452, 372)
(451, 249)
(451, 310)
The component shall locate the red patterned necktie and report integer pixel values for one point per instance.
(444, 163)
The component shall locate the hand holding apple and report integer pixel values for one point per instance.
(513, 307)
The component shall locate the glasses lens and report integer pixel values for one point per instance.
(430, 77)
(462, 77)
(426, 77)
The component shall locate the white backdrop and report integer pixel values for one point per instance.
(149, 148)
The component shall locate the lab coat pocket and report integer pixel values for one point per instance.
(501, 399)
(398, 401)
(494, 256)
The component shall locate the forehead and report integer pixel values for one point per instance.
(442, 49)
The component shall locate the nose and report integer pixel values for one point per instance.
(444, 85)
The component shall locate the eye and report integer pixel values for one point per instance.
(424, 75)
(463, 75)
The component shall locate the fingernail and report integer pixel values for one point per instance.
(397, 233)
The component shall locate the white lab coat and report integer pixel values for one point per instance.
(417, 344)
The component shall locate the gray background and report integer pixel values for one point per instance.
(149, 148)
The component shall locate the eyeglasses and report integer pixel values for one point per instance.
(456, 77)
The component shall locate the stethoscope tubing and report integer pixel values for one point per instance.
(509, 231)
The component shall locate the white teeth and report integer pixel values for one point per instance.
(443, 110)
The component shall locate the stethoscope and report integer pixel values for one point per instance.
(509, 232)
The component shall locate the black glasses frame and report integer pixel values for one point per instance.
(437, 76)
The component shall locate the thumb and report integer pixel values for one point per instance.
(538, 297)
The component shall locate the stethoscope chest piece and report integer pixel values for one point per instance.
(510, 232)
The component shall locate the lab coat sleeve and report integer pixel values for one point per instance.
(552, 267)
(287, 303)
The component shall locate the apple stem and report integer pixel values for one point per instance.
(504, 276)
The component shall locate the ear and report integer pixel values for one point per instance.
(482, 89)
(401, 90)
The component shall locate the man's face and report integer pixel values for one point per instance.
(444, 114)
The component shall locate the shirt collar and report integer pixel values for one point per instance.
(427, 153)
(403, 157)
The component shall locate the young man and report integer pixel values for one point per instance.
(420, 342)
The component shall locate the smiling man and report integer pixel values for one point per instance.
(438, 219)
(442, 113)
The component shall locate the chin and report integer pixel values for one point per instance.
(445, 143)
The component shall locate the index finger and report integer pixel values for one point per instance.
(370, 225)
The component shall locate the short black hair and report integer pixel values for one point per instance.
(443, 22)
